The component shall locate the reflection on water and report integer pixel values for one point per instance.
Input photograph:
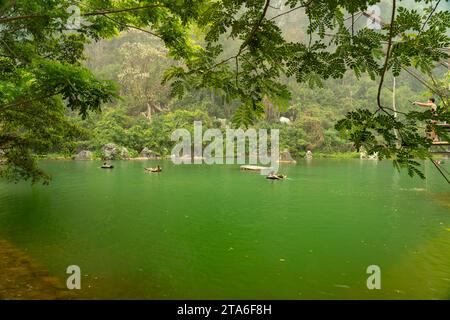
(214, 232)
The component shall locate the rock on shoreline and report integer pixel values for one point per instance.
(83, 155)
(149, 154)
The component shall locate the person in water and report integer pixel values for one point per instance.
(430, 104)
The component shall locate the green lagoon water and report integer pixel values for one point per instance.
(213, 232)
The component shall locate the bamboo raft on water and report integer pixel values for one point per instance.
(254, 168)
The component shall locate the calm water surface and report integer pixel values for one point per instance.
(213, 232)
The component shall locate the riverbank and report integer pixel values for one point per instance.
(23, 279)
(337, 155)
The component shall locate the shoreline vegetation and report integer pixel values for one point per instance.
(96, 156)
(23, 279)
(328, 155)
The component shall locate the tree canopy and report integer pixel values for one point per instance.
(236, 47)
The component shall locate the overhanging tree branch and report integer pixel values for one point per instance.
(388, 54)
(131, 26)
(24, 102)
(254, 29)
(439, 169)
(291, 10)
(429, 16)
(248, 38)
(94, 13)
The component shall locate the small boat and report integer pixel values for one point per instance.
(276, 177)
(107, 166)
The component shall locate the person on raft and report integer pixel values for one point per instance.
(274, 176)
(106, 165)
(430, 104)
(154, 170)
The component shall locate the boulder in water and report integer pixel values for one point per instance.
(83, 155)
(124, 153)
(109, 151)
(374, 156)
(149, 154)
(364, 156)
(285, 120)
(285, 157)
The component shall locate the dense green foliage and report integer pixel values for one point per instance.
(41, 49)
(313, 111)
(409, 38)
(232, 59)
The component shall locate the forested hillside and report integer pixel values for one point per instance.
(147, 111)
